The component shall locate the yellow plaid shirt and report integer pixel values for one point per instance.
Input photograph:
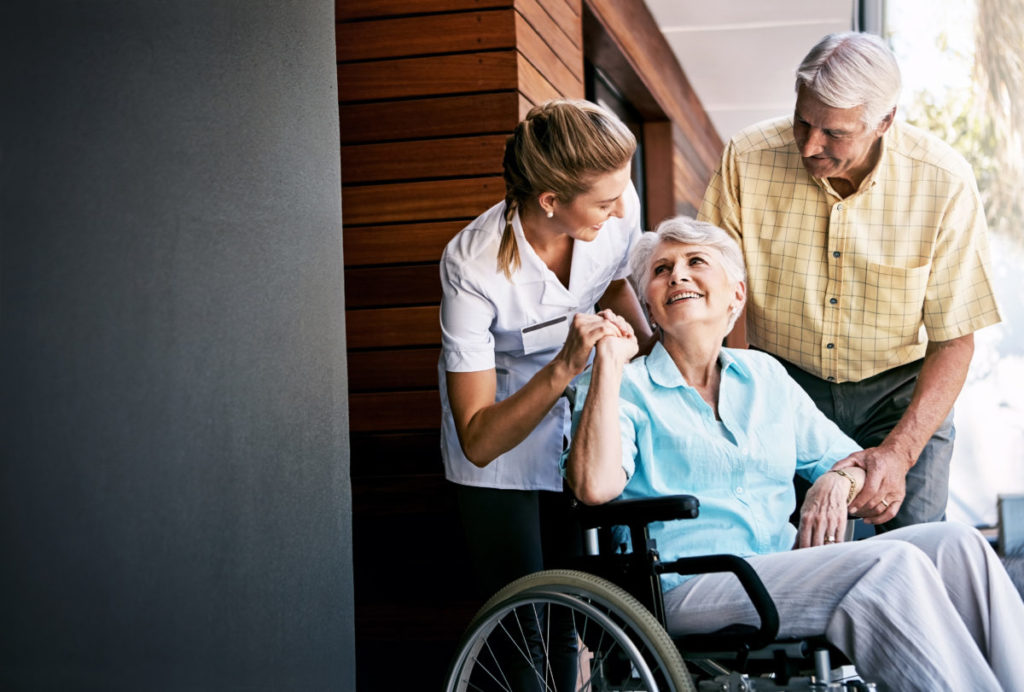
(848, 288)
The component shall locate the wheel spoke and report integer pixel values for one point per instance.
(610, 634)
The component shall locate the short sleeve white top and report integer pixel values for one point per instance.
(516, 327)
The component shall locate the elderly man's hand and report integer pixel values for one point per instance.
(886, 485)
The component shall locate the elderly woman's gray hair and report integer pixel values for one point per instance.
(851, 69)
(686, 231)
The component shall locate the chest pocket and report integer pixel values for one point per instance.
(548, 335)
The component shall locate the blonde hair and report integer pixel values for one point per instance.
(554, 149)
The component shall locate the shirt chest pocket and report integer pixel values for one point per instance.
(896, 295)
(548, 335)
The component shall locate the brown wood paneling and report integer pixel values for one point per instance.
(546, 62)
(535, 87)
(691, 177)
(387, 369)
(392, 285)
(360, 9)
(561, 14)
(629, 45)
(411, 410)
(408, 242)
(658, 173)
(425, 158)
(423, 35)
(429, 117)
(391, 327)
(441, 74)
(428, 201)
(569, 51)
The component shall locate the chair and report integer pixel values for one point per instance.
(613, 600)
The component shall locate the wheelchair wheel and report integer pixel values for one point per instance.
(513, 642)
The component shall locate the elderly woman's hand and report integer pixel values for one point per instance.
(621, 347)
(823, 514)
(584, 332)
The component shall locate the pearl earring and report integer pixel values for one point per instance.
(551, 213)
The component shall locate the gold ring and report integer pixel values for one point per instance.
(830, 539)
(885, 504)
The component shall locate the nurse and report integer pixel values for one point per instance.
(518, 325)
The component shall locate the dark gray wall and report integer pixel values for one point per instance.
(175, 507)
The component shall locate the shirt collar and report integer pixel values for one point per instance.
(532, 269)
(664, 373)
(870, 180)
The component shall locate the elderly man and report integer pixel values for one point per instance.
(867, 256)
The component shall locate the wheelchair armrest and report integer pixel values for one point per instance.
(639, 511)
(752, 584)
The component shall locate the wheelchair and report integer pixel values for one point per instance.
(612, 600)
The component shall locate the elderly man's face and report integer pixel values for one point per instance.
(834, 142)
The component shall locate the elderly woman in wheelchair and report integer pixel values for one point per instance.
(921, 608)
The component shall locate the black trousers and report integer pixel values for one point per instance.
(512, 533)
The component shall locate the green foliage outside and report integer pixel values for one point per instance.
(985, 122)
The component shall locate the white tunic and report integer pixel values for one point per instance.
(517, 327)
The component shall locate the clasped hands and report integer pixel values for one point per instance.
(607, 331)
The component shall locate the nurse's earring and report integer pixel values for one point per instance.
(551, 213)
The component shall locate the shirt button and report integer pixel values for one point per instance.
(830, 346)
(832, 301)
(739, 490)
(831, 379)
(839, 207)
(835, 253)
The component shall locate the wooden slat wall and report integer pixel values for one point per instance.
(623, 39)
(428, 92)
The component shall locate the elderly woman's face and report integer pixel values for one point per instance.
(688, 284)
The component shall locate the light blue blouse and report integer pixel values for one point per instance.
(672, 444)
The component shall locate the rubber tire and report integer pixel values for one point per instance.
(659, 653)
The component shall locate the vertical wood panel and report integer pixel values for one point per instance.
(658, 172)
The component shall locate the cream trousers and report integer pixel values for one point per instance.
(926, 607)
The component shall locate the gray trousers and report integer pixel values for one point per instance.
(867, 411)
(926, 607)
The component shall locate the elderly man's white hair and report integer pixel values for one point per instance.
(851, 69)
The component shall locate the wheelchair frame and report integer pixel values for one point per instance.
(620, 594)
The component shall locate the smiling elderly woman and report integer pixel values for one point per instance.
(924, 607)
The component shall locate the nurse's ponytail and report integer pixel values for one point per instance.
(557, 148)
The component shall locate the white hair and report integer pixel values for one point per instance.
(686, 231)
(851, 69)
